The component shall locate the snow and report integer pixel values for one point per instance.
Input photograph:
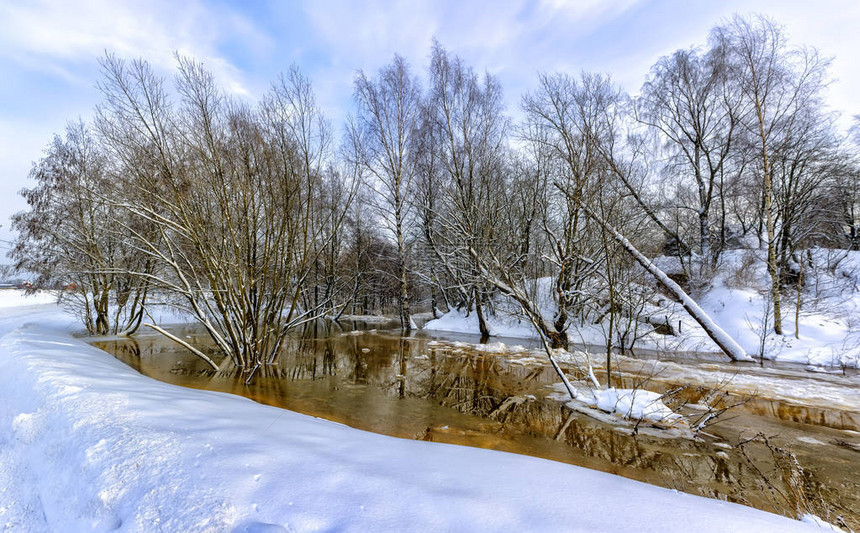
(500, 325)
(456, 321)
(811, 440)
(638, 404)
(818, 522)
(737, 302)
(628, 404)
(18, 298)
(711, 328)
(370, 319)
(18, 309)
(88, 444)
(492, 347)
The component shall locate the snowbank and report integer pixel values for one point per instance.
(87, 444)
(830, 303)
(20, 309)
(455, 321)
(508, 321)
(736, 301)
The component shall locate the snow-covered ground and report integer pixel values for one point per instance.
(17, 298)
(829, 333)
(88, 444)
(736, 301)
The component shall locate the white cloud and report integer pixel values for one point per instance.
(370, 32)
(579, 10)
(512, 39)
(59, 36)
(50, 47)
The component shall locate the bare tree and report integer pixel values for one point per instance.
(777, 82)
(846, 188)
(231, 191)
(688, 101)
(69, 236)
(467, 127)
(568, 124)
(381, 140)
(436, 268)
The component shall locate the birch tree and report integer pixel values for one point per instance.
(777, 81)
(468, 129)
(688, 101)
(381, 138)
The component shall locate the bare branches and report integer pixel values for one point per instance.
(67, 238)
(381, 139)
(236, 197)
(728, 345)
(778, 84)
(252, 220)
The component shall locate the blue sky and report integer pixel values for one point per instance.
(49, 49)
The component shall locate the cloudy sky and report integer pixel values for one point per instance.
(49, 49)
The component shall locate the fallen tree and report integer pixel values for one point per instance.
(722, 339)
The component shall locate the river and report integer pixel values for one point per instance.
(455, 390)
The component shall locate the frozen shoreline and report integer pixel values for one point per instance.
(88, 444)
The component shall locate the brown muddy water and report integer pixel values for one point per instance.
(446, 390)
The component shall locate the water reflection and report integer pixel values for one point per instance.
(413, 388)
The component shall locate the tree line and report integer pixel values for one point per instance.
(253, 218)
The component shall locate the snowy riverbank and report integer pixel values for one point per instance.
(88, 444)
(829, 333)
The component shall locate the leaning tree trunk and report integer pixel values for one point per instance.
(722, 339)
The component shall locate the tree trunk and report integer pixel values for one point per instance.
(767, 205)
(772, 264)
(405, 319)
(479, 310)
